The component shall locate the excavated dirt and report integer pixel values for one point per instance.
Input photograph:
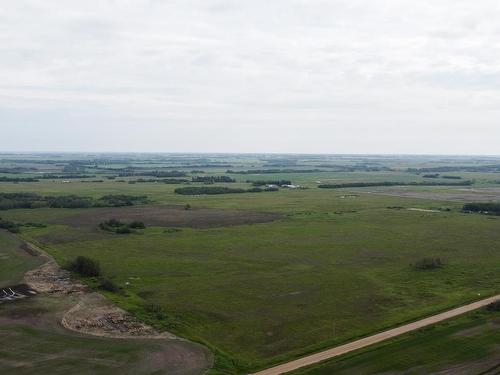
(93, 314)
(51, 279)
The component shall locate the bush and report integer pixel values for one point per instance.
(429, 264)
(123, 230)
(155, 309)
(9, 225)
(494, 306)
(109, 285)
(137, 225)
(86, 266)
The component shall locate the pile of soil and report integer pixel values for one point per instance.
(95, 315)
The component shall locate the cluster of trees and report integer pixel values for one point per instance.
(171, 181)
(457, 168)
(85, 266)
(269, 182)
(119, 200)
(437, 175)
(198, 190)
(53, 176)
(489, 208)
(355, 168)
(15, 227)
(9, 225)
(212, 179)
(17, 179)
(393, 183)
(88, 267)
(154, 174)
(264, 171)
(116, 226)
(32, 200)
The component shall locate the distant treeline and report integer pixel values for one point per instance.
(489, 208)
(264, 171)
(65, 176)
(354, 168)
(171, 181)
(393, 183)
(212, 179)
(154, 174)
(437, 175)
(17, 170)
(17, 179)
(269, 182)
(198, 190)
(31, 200)
(458, 168)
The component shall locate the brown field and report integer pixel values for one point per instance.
(167, 216)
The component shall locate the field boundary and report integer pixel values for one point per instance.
(374, 339)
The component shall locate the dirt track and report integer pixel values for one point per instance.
(364, 342)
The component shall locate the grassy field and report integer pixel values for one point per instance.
(333, 266)
(14, 261)
(32, 341)
(467, 345)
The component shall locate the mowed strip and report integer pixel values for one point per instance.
(364, 342)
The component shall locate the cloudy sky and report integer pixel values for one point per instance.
(353, 76)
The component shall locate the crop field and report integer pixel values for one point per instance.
(266, 276)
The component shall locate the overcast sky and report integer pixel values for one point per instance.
(353, 76)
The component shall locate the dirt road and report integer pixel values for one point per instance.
(362, 343)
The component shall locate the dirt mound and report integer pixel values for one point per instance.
(52, 279)
(95, 315)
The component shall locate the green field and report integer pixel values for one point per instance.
(32, 341)
(335, 265)
(467, 345)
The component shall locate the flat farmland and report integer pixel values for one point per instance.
(333, 266)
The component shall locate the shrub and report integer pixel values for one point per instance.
(109, 285)
(156, 310)
(494, 306)
(137, 225)
(429, 264)
(123, 230)
(86, 266)
(490, 208)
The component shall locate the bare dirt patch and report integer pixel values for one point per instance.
(168, 216)
(51, 279)
(95, 315)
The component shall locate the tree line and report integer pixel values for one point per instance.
(212, 190)
(393, 183)
(33, 200)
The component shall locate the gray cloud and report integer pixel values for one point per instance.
(220, 75)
